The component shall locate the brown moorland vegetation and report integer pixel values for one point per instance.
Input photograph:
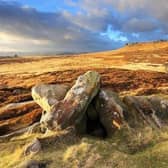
(135, 69)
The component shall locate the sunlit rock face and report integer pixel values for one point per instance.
(94, 110)
(71, 110)
(110, 110)
(47, 95)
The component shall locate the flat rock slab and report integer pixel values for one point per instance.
(48, 95)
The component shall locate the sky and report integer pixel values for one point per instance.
(79, 25)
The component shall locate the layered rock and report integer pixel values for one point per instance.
(71, 110)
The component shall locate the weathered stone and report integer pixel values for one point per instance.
(110, 111)
(72, 108)
(33, 148)
(160, 105)
(47, 95)
(17, 109)
(141, 112)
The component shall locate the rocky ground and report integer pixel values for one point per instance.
(141, 147)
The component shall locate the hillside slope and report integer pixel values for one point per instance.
(147, 56)
(132, 70)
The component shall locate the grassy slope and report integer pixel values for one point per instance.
(128, 148)
(148, 56)
(143, 148)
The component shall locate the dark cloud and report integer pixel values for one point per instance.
(48, 31)
(27, 28)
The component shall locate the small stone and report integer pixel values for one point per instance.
(33, 147)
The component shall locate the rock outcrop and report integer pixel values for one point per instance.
(85, 106)
(141, 112)
(71, 110)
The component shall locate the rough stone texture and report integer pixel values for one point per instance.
(110, 111)
(141, 112)
(72, 108)
(160, 105)
(133, 118)
(47, 95)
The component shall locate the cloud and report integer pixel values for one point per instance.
(82, 25)
(139, 25)
(46, 31)
(125, 17)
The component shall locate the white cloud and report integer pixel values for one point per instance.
(25, 28)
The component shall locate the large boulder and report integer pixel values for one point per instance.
(47, 95)
(71, 110)
(141, 112)
(110, 110)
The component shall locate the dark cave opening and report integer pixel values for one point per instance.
(95, 128)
